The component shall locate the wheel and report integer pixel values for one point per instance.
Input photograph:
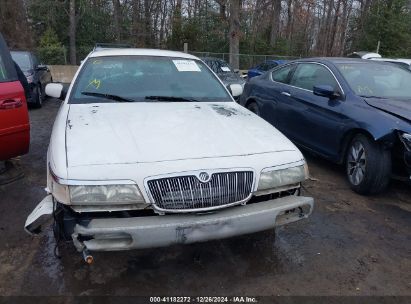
(368, 165)
(38, 97)
(43, 95)
(253, 107)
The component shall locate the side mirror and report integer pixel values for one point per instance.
(54, 90)
(235, 89)
(326, 91)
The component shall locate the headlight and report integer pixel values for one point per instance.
(283, 177)
(105, 194)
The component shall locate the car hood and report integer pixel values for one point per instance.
(143, 132)
(399, 108)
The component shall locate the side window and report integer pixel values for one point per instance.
(264, 67)
(3, 74)
(281, 75)
(308, 75)
(35, 60)
(271, 66)
(7, 69)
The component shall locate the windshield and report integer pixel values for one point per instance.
(378, 80)
(146, 78)
(22, 59)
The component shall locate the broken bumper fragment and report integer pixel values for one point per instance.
(158, 231)
(109, 234)
(40, 215)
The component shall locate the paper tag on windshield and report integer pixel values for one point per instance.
(186, 66)
(225, 69)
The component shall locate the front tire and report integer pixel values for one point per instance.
(368, 165)
(38, 97)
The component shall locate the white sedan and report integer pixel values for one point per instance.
(149, 149)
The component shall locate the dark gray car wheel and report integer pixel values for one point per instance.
(368, 165)
(38, 97)
(43, 95)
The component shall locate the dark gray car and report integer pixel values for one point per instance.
(38, 75)
(224, 71)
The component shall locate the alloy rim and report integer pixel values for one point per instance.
(356, 163)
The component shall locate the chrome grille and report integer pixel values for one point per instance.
(188, 193)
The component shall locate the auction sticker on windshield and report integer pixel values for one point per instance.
(186, 66)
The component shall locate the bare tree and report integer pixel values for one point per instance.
(234, 34)
(72, 31)
(275, 21)
(177, 24)
(116, 15)
(13, 19)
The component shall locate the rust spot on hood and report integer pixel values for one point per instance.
(225, 111)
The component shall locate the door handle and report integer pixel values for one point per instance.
(286, 94)
(11, 103)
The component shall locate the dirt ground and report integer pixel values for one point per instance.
(351, 245)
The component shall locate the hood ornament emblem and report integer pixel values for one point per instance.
(204, 177)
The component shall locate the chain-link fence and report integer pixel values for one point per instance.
(246, 60)
(59, 55)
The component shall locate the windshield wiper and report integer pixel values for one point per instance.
(108, 96)
(169, 98)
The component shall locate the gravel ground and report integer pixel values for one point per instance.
(351, 245)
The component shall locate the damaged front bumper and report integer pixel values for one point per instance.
(107, 234)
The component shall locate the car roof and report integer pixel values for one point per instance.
(403, 60)
(139, 52)
(364, 55)
(334, 60)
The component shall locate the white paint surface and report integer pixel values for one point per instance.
(134, 141)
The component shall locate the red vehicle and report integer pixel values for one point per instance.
(14, 116)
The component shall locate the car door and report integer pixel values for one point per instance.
(313, 121)
(14, 120)
(273, 91)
